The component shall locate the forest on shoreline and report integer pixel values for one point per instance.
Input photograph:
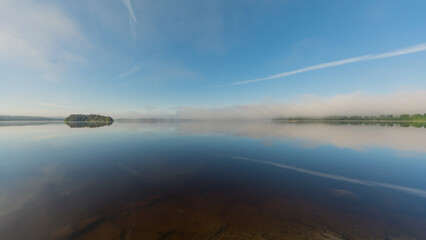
(358, 118)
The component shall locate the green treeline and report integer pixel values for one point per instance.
(381, 118)
(88, 118)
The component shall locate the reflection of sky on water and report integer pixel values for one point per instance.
(413, 191)
(358, 137)
(43, 164)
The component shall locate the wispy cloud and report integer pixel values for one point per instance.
(159, 71)
(130, 71)
(130, 8)
(409, 190)
(49, 105)
(45, 39)
(132, 19)
(404, 51)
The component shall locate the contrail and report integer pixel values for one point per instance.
(129, 7)
(404, 51)
(130, 71)
(409, 190)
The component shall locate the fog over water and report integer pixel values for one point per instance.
(357, 103)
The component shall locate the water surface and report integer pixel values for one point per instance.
(212, 180)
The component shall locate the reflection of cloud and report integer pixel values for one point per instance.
(49, 136)
(314, 134)
(342, 193)
(129, 170)
(27, 190)
(409, 190)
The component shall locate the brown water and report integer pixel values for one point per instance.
(203, 180)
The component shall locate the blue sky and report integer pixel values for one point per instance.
(136, 58)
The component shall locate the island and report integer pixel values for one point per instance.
(91, 120)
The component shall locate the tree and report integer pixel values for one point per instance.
(88, 118)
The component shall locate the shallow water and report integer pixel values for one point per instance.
(212, 180)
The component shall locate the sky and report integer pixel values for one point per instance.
(212, 59)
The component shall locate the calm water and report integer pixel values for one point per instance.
(212, 180)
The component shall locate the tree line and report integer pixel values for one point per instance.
(88, 118)
(380, 118)
(25, 118)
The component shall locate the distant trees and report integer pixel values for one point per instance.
(25, 118)
(88, 118)
(404, 117)
(381, 118)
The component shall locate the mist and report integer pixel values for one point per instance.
(358, 103)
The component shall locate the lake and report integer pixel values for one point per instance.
(212, 180)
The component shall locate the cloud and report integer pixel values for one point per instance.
(196, 25)
(49, 105)
(130, 71)
(409, 50)
(130, 8)
(38, 36)
(158, 71)
(356, 103)
(132, 19)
